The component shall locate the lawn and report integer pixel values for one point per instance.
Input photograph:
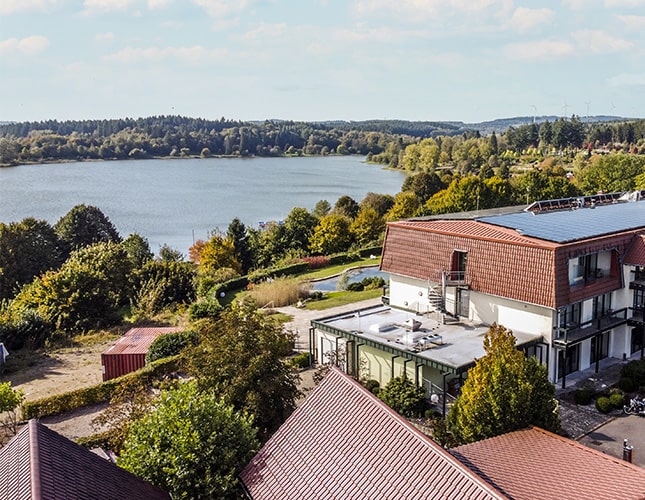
(334, 270)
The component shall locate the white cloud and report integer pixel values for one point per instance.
(192, 55)
(221, 8)
(539, 50)
(524, 19)
(600, 42)
(635, 23)
(624, 3)
(13, 6)
(158, 4)
(576, 4)
(106, 5)
(627, 79)
(24, 46)
(422, 10)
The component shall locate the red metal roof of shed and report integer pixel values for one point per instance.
(138, 340)
(343, 442)
(39, 463)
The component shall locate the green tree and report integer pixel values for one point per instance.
(192, 444)
(504, 391)
(405, 205)
(331, 235)
(86, 292)
(367, 227)
(160, 284)
(347, 206)
(10, 400)
(379, 202)
(241, 357)
(168, 254)
(322, 208)
(238, 234)
(85, 225)
(298, 227)
(138, 250)
(611, 173)
(423, 185)
(218, 252)
(403, 397)
(27, 249)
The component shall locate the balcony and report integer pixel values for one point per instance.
(576, 333)
(638, 316)
(456, 278)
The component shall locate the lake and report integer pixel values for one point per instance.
(176, 201)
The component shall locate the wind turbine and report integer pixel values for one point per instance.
(534, 112)
(565, 107)
(587, 103)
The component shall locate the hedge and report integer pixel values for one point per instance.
(68, 401)
(291, 269)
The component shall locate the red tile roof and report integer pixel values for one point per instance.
(501, 262)
(343, 442)
(39, 463)
(635, 255)
(534, 464)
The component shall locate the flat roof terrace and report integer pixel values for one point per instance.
(451, 347)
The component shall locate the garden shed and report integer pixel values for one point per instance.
(128, 354)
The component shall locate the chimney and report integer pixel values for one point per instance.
(627, 451)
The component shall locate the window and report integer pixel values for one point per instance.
(601, 305)
(570, 315)
(458, 265)
(599, 347)
(639, 299)
(583, 269)
(638, 338)
(569, 363)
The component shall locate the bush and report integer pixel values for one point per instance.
(583, 396)
(603, 404)
(626, 384)
(205, 309)
(403, 397)
(302, 360)
(289, 270)
(373, 386)
(617, 400)
(373, 282)
(355, 287)
(636, 371)
(316, 295)
(317, 261)
(167, 345)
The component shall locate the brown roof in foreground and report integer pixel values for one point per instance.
(138, 340)
(343, 442)
(39, 463)
(533, 464)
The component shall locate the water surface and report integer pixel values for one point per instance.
(177, 201)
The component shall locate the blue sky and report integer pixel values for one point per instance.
(461, 60)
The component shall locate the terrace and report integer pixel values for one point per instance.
(450, 348)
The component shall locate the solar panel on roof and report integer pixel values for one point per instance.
(572, 225)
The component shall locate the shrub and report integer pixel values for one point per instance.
(603, 404)
(403, 397)
(583, 396)
(636, 371)
(355, 287)
(617, 400)
(205, 309)
(317, 261)
(167, 345)
(373, 386)
(373, 282)
(316, 295)
(626, 384)
(302, 360)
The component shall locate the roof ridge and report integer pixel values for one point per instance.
(32, 428)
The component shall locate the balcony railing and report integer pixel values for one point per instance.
(456, 277)
(575, 333)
